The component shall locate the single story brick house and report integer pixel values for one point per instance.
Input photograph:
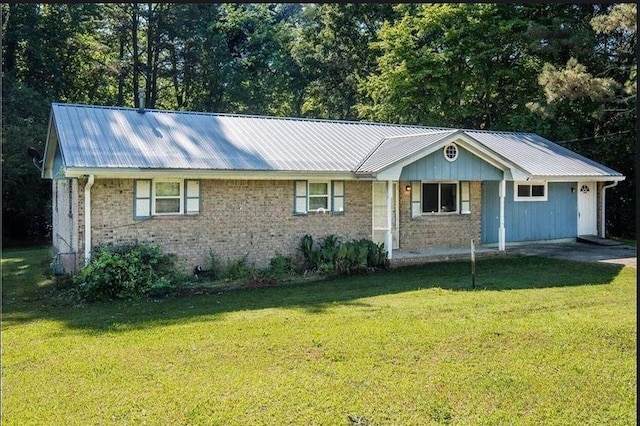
(232, 185)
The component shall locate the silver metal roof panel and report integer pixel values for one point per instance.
(96, 137)
(539, 156)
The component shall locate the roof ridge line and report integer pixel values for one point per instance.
(222, 114)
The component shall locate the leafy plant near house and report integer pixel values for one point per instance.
(126, 271)
(343, 258)
(238, 269)
(281, 265)
(311, 256)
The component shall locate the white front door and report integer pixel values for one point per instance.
(587, 208)
(379, 231)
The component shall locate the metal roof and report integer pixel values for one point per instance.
(539, 156)
(97, 137)
(394, 149)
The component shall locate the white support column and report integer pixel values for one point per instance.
(501, 229)
(389, 236)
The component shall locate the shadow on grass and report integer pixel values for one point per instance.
(492, 274)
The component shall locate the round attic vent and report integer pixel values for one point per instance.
(451, 152)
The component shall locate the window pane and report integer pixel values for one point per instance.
(318, 202)
(524, 191)
(318, 189)
(448, 197)
(537, 190)
(430, 197)
(164, 189)
(170, 205)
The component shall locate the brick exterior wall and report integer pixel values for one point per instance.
(255, 218)
(237, 217)
(439, 231)
(64, 225)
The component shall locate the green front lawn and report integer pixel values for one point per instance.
(539, 341)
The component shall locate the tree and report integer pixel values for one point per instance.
(461, 65)
(598, 103)
(333, 51)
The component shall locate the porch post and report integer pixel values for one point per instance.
(389, 235)
(501, 231)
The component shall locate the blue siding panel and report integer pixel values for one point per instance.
(530, 220)
(466, 167)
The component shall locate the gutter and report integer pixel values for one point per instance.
(87, 219)
(602, 207)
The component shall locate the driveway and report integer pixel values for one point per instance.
(619, 254)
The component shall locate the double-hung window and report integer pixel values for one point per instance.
(164, 197)
(440, 198)
(167, 197)
(318, 196)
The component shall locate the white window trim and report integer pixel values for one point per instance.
(439, 182)
(327, 196)
(336, 197)
(531, 197)
(154, 198)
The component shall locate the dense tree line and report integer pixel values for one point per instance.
(565, 71)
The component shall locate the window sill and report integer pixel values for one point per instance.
(174, 216)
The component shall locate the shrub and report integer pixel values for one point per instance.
(125, 271)
(281, 265)
(239, 269)
(310, 255)
(216, 270)
(343, 257)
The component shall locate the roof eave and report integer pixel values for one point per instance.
(138, 173)
(578, 178)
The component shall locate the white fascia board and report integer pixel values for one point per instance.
(49, 149)
(131, 173)
(582, 178)
(510, 170)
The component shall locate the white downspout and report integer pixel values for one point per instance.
(501, 229)
(602, 222)
(389, 235)
(87, 220)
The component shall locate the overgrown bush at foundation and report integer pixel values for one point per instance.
(127, 271)
(334, 256)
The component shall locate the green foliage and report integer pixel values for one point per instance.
(280, 265)
(311, 256)
(216, 269)
(343, 258)
(239, 269)
(126, 271)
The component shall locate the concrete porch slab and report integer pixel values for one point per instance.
(417, 257)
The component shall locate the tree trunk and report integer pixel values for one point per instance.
(136, 62)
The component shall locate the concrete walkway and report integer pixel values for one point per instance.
(618, 254)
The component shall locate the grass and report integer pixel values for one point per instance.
(539, 341)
